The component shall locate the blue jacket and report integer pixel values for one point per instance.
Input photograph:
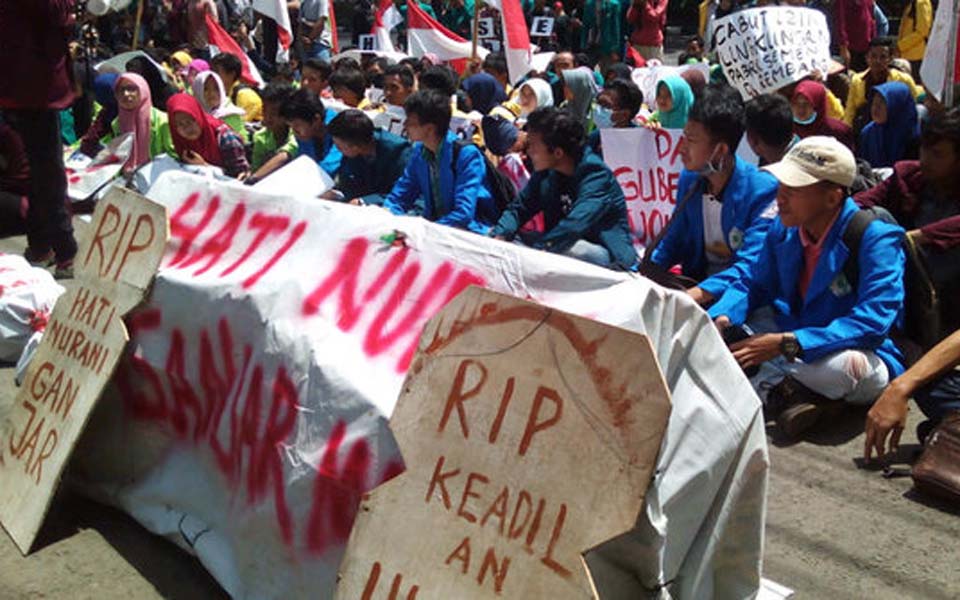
(748, 209)
(328, 156)
(834, 315)
(372, 177)
(464, 202)
(595, 211)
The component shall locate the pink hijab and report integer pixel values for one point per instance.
(136, 121)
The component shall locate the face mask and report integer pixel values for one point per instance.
(808, 121)
(713, 165)
(602, 117)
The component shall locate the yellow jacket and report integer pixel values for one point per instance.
(834, 106)
(914, 30)
(858, 92)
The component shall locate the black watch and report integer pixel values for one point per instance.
(790, 347)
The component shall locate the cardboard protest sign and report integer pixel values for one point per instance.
(79, 351)
(85, 176)
(541, 27)
(647, 78)
(368, 42)
(764, 49)
(529, 437)
(485, 28)
(647, 165)
(943, 35)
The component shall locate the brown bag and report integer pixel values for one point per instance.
(937, 472)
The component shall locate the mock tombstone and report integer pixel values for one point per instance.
(529, 436)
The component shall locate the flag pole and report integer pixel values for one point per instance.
(476, 27)
(136, 26)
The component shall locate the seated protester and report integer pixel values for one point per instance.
(579, 90)
(349, 86)
(307, 117)
(616, 107)
(484, 92)
(584, 211)
(810, 114)
(274, 144)
(617, 71)
(373, 159)
(398, 84)
(451, 194)
(229, 68)
(315, 76)
(924, 197)
(827, 339)
(696, 80)
(103, 91)
(892, 132)
(505, 142)
(137, 115)
(209, 90)
(203, 140)
(769, 121)
(933, 382)
(534, 93)
(196, 66)
(444, 80)
(674, 100)
(719, 229)
(879, 55)
(495, 64)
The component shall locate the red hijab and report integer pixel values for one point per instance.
(816, 95)
(207, 145)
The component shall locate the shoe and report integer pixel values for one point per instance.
(924, 429)
(64, 270)
(38, 259)
(796, 408)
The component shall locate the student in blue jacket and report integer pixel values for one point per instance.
(454, 195)
(373, 159)
(819, 339)
(717, 233)
(585, 214)
(308, 118)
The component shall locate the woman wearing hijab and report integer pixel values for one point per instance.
(202, 139)
(484, 91)
(103, 93)
(196, 66)
(893, 130)
(208, 89)
(534, 93)
(160, 90)
(137, 115)
(579, 89)
(809, 105)
(179, 63)
(674, 99)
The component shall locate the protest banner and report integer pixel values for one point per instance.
(495, 501)
(79, 351)
(647, 165)
(647, 78)
(253, 404)
(541, 27)
(763, 49)
(86, 176)
(936, 63)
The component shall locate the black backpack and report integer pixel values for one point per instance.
(500, 186)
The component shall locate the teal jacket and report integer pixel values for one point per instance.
(372, 177)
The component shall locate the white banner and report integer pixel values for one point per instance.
(933, 69)
(763, 49)
(647, 165)
(252, 406)
(647, 78)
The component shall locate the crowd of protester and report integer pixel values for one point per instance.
(817, 264)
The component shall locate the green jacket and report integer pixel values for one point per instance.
(161, 142)
(265, 146)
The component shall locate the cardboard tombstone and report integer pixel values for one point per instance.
(81, 346)
(529, 436)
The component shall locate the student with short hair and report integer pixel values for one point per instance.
(615, 108)
(725, 205)
(275, 144)
(349, 86)
(315, 76)
(307, 117)
(373, 159)
(823, 335)
(452, 193)
(229, 68)
(398, 84)
(769, 127)
(879, 54)
(585, 213)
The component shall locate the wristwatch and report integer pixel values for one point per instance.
(790, 347)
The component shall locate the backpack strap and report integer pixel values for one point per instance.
(458, 145)
(852, 238)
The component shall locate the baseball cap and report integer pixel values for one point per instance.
(814, 159)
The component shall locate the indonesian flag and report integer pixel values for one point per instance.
(333, 29)
(225, 43)
(386, 19)
(516, 43)
(426, 36)
(277, 10)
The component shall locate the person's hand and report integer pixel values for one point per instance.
(886, 419)
(473, 67)
(722, 322)
(356, 202)
(699, 295)
(845, 56)
(757, 349)
(192, 158)
(917, 237)
(243, 176)
(651, 124)
(502, 238)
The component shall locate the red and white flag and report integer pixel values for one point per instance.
(426, 36)
(224, 42)
(386, 19)
(277, 10)
(335, 39)
(516, 42)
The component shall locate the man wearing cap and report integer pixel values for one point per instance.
(817, 338)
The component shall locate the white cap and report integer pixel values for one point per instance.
(815, 159)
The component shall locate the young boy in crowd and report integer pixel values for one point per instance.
(823, 334)
(349, 86)
(315, 76)
(229, 68)
(616, 107)
(718, 230)
(398, 84)
(274, 144)
(585, 214)
(307, 117)
(769, 127)
(879, 54)
(452, 193)
(373, 159)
